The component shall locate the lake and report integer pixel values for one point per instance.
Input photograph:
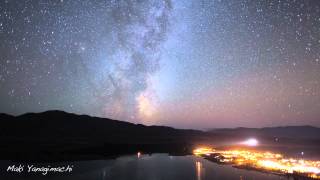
(150, 167)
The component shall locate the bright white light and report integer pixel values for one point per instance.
(250, 142)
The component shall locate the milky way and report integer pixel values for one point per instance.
(193, 64)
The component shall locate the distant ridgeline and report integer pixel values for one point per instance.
(60, 135)
(297, 132)
(56, 134)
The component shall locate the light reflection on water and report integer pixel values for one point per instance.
(198, 169)
(154, 167)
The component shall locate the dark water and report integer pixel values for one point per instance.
(153, 167)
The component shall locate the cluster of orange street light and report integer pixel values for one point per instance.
(265, 161)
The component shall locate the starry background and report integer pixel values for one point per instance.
(187, 64)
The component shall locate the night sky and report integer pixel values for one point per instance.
(187, 64)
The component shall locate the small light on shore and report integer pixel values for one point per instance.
(139, 154)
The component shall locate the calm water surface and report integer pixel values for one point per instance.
(149, 167)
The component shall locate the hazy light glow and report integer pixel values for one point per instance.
(251, 142)
(146, 108)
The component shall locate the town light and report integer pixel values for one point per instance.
(250, 142)
(263, 161)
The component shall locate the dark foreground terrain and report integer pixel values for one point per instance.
(57, 135)
(60, 135)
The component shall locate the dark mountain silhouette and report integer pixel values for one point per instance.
(59, 124)
(56, 135)
(58, 132)
(295, 132)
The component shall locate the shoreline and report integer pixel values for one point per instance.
(239, 163)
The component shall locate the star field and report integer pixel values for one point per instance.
(190, 64)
